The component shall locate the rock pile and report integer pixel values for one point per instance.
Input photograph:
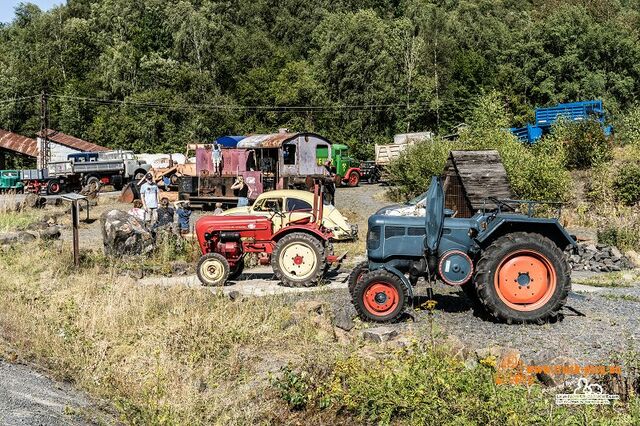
(598, 258)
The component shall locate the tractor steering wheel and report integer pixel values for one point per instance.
(498, 202)
(275, 213)
(312, 218)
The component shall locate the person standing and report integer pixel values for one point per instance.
(149, 194)
(330, 184)
(166, 214)
(241, 190)
(184, 216)
(216, 156)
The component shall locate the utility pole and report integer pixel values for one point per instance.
(44, 131)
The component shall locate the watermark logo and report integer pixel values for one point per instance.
(586, 393)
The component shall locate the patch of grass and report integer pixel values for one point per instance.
(355, 248)
(421, 386)
(623, 297)
(610, 279)
(17, 221)
(161, 355)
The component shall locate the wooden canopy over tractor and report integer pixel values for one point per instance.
(470, 177)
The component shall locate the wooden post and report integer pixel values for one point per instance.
(75, 222)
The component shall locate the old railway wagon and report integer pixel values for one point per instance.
(267, 162)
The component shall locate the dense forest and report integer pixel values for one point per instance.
(152, 75)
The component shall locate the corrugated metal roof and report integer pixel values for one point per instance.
(274, 140)
(72, 141)
(18, 143)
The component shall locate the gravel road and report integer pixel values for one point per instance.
(29, 398)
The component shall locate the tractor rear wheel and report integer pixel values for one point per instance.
(213, 269)
(469, 290)
(523, 278)
(354, 179)
(298, 260)
(380, 296)
(356, 275)
(237, 270)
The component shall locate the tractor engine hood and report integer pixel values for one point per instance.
(247, 226)
(232, 223)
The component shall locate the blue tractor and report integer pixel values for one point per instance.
(512, 264)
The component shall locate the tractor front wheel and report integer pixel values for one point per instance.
(380, 296)
(213, 270)
(298, 260)
(523, 278)
(354, 179)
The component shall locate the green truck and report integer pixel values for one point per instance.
(10, 181)
(346, 167)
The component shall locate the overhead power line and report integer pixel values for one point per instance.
(18, 100)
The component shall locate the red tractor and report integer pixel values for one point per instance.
(299, 252)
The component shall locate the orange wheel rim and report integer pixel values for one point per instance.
(525, 280)
(380, 298)
(353, 179)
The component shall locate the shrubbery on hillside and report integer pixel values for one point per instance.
(535, 172)
(584, 143)
(627, 183)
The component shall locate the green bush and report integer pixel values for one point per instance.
(619, 236)
(627, 183)
(413, 169)
(535, 172)
(584, 143)
(421, 386)
(628, 127)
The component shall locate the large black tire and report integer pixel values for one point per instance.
(298, 260)
(54, 187)
(469, 289)
(353, 179)
(237, 270)
(213, 270)
(380, 296)
(356, 275)
(93, 183)
(528, 255)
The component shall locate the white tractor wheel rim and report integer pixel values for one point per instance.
(212, 270)
(298, 261)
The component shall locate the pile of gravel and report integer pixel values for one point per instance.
(599, 258)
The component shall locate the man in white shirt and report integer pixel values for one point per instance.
(149, 194)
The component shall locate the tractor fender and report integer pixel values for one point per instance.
(546, 227)
(301, 228)
(400, 275)
(353, 169)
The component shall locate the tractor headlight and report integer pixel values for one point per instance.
(373, 238)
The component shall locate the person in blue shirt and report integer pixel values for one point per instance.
(149, 192)
(184, 216)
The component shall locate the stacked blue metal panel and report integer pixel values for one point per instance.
(574, 111)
